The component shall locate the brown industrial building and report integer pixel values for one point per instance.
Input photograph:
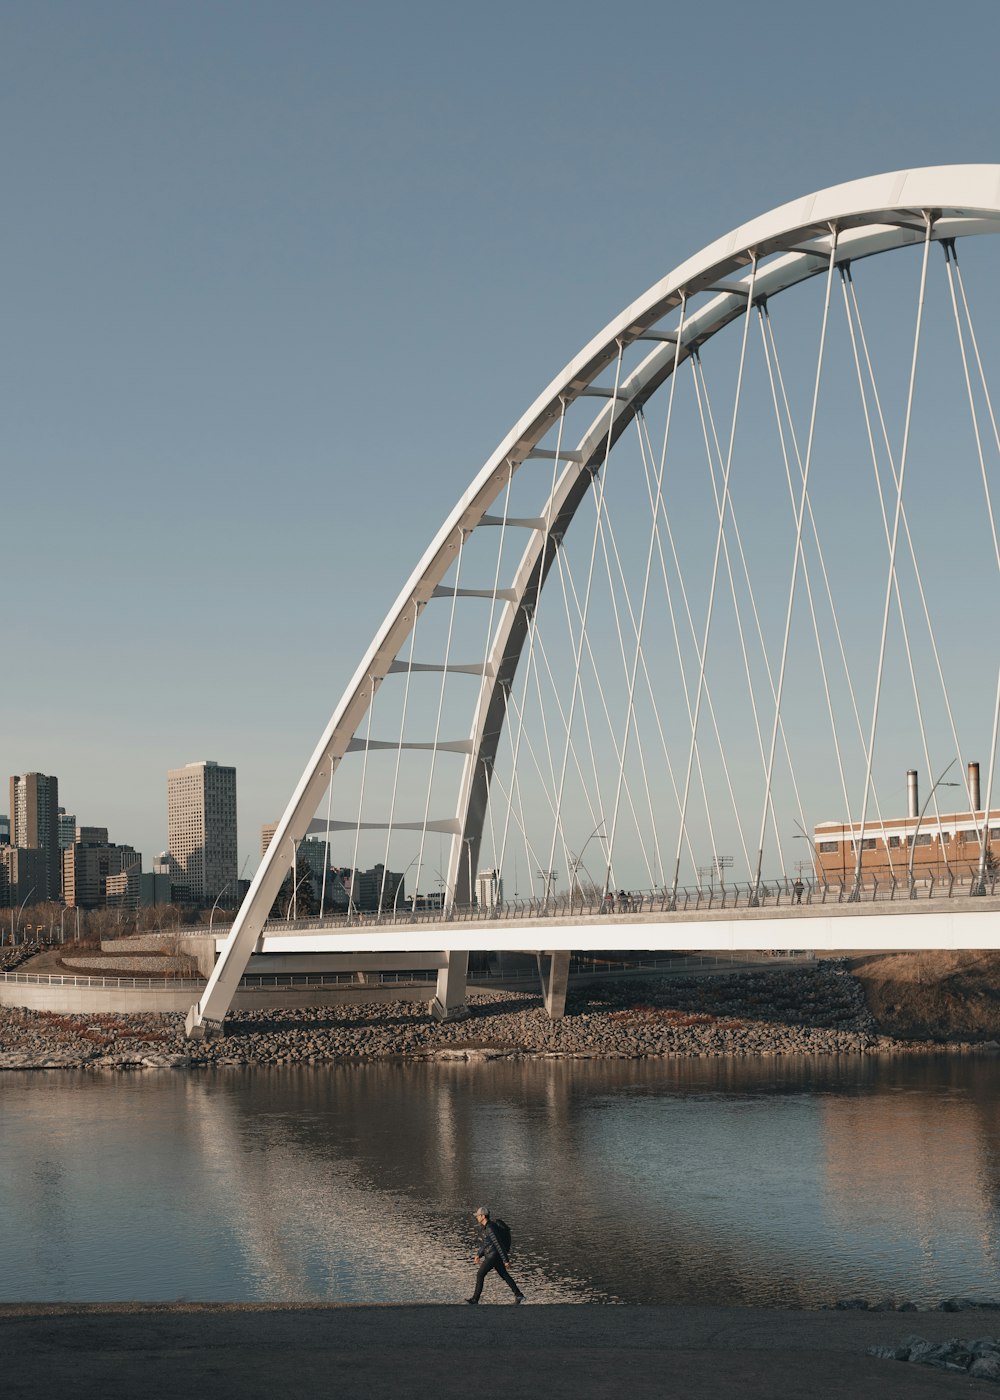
(941, 844)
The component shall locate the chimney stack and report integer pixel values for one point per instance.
(912, 794)
(974, 785)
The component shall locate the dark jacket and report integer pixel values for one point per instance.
(491, 1247)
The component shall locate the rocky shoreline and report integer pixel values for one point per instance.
(817, 1010)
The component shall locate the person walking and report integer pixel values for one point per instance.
(494, 1253)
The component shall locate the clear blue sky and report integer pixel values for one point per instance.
(277, 277)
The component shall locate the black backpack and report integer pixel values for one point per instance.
(502, 1231)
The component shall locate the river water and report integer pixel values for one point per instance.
(781, 1182)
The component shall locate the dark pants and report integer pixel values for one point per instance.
(493, 1261)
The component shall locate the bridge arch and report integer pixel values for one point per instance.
(675, 318)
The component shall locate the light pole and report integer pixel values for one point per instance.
(818, 864)
(913, 848)
(578, 860)
(399, 886)
(293, 904)
(15, 922)
(215, 906)
(550, 877)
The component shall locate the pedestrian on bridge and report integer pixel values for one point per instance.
(494, 1253)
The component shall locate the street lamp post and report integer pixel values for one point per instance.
(399, 886)
(818, 866)
(215, 906)
(549, 877)
(578, 860)
(913, 848)
(15, 922)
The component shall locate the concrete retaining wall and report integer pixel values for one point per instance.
(79, 1000)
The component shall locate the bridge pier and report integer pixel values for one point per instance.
(450, 996)
(198, 1027)
(553, 969)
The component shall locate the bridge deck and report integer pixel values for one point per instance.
(963, 922)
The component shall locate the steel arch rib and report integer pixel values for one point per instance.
(870, 216)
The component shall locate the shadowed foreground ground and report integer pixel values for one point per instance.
(124, 1350)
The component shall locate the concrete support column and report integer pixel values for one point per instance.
(449, 1001)
(553, 969)
(198, 1027)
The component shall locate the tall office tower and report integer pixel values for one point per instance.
(4, 830)
(34, 813)
(67, 829)
(22, 875)
(266, 836)
(201, 828)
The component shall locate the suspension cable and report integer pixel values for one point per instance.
(642, 608)
(703, 651)
(437, 723)
(918, 577)
(685, 688)
(928, 221)
(586, 603)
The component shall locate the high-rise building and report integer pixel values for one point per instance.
(370, 888)
(311, 851)
(22, 874)
(124, 890)
(34, 811)
(90, 866)
(67, 829)
(201, 828)
(4, 830)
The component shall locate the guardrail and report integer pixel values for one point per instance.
(580, 964)
(769, 894)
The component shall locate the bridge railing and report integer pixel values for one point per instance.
(782, 892)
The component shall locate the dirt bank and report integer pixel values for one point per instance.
(934, 995)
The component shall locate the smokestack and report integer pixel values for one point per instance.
(912, 794)
(974, 785)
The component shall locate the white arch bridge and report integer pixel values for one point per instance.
(779, 594)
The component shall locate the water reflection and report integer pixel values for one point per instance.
(781, 1182)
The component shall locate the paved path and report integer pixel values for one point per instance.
(237, 1352)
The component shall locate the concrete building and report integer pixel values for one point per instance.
(154, 885)
(34, 811)
(201, 828)
(23, 873)
(489, 889)
(939, 843)
(91, 863)
(267, 836)
(124, 889)
(67, 829)
(368, 886)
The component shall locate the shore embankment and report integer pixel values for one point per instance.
(703, 1353)
(819, 1009)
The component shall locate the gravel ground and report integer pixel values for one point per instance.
(813, 1010)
